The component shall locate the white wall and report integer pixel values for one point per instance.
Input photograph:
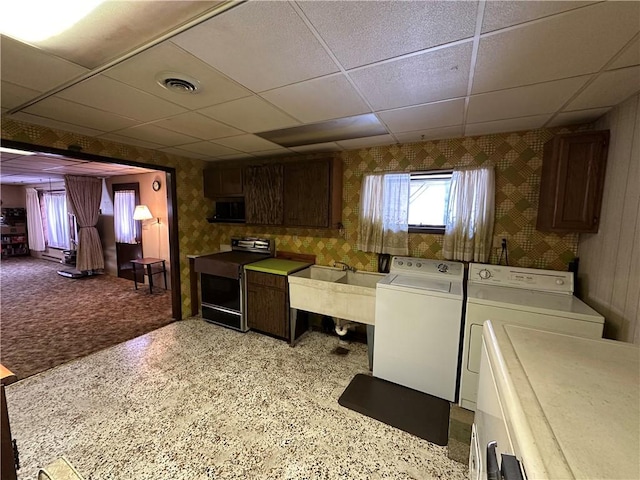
(609, 270)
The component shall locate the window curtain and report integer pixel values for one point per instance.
(124, 203)
(84, 197)
(55, 205)
(384, 214)
(470, 217)
(34, 222)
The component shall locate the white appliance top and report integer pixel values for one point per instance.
(516, 277)
(544, 303)
(571, 402)
(421, 275)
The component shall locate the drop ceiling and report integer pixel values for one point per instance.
(423, 69)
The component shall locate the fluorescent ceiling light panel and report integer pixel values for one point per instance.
(15, 152)
(346, 128)
(37, 20)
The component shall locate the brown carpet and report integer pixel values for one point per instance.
(46, 319)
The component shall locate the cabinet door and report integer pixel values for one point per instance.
(263, 195)
(267, 310)
(223, 182)
(307, 194)
(572, 182)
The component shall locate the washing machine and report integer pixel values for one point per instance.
(541, 299)
(418, 325)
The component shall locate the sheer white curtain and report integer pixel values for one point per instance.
(470, 217)
(34, 221)
(55, 204)
(124, 203)
(384, 214)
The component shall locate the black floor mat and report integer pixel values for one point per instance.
(422, 415)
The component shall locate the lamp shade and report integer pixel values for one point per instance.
(142, 213)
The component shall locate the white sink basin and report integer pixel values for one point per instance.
(334, 292)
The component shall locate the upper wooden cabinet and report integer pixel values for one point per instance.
(572, 180)
(223, 182)
(313, 193)
(263, 194)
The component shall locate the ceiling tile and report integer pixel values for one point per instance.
(523, 101)
(32, 68)
(114, 137)
(116, 97)
(318, 147)
(154, 134)
(262, 45)
(608, 89)
(199, 126)
(424, 117)
(14, 95)
(504, 126)
(77, 114)
(437, 75)
(141, 70)
(236, 156)
(209, 148)
(319, 99)
(251, 114)
(247, 143)
(364, 32)
(630, 57)
(182, 153)
(575, 43)
(55, 124)
(500, 14)
(365, 142)
(578, 117)
(430, 134)
(278, 152)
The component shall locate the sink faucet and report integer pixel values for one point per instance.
(345, 266)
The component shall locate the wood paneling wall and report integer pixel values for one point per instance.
(609, 271)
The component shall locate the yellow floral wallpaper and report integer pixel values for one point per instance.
(516, 156)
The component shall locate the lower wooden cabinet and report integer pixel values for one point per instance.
(268, 303)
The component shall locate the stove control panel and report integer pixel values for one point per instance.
(527, 278)
(424, 266)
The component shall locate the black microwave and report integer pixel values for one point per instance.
(229, 211)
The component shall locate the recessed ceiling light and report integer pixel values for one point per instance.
(38, 20)
(178, 82)
(16, 152)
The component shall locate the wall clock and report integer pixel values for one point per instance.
(155, 185)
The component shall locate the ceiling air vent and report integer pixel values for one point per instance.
(178, 82)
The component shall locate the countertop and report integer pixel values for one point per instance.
(571, 402)
(277, 266)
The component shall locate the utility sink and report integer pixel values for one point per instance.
(335, 292)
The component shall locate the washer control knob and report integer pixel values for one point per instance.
(559, 282)
(484, 274)
(400, 262)
(409, 264)
(418, 265)
(443, 268)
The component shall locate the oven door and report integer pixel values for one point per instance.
(222, 301)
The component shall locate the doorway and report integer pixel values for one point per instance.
(128, 233)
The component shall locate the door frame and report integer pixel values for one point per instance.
(172, 205)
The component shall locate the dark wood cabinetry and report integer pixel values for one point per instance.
(268, 303)
(223, 182)
(263, 194)
(572, 181)
(313, 193)
(13, 231)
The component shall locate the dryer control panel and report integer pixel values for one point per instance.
(527, 278)
(425, 266)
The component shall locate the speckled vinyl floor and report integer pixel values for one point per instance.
(197, 401)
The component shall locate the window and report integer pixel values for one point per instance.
(56, 219)
(428, 201)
